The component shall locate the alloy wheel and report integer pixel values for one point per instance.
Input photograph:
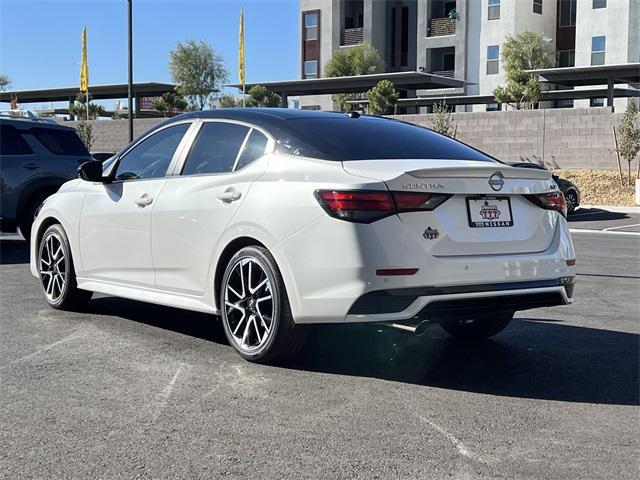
(53, 270)
(571, 201)
(249, 305)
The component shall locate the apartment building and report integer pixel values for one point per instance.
(463, 38)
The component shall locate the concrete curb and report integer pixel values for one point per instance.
(611, 208)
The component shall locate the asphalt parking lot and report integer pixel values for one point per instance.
(129, 390)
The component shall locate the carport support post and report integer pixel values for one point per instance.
(610, 93)
(284, 101)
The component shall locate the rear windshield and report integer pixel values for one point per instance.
(368, 138)
(60, 142)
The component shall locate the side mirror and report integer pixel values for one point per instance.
(91, 171)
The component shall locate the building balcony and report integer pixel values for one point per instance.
(445, 73)
(352, 36)
(441, 26)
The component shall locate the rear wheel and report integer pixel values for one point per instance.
(572, 200)
(256, 316)
(57, 276)
(480, 326)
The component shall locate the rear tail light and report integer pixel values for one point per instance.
(550, 201)
(366, 206)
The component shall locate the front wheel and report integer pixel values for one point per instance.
(480, 326)
(56, 273)
(256, 316)
(572, 201)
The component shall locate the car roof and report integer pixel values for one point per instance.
(27, 123)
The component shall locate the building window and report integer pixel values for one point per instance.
(567, 13)
(599, 4)
(311, 69)
(537, 6)
(598, 47)
(493, 59)
(493, 107)
(596, 102)
(311, 26)
(494, 10)
(566, 58)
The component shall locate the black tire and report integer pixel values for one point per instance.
(29, 214)
(483, 326)
(63, 293)
(572, 200)
(284, 338)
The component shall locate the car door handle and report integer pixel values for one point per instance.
(144, 201)
(31, 166)
(230, 195)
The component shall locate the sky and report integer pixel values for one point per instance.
(40, 44)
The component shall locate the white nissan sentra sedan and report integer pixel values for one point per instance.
(275, 219)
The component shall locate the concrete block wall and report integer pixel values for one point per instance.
(559, 138)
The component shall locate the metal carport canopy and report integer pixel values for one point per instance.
(627, 73)
(357, 84)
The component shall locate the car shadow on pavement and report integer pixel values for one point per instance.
(594, 215)
(13, 250)
(541, 359)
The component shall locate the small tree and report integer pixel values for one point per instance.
(79, 108)
(525, 51)
(4, 82)
(382, 97)
(362, 59)
(169, 102)
(227, 101)
(85, 132)
(260, 96)
(198, 71)
(629, 135)
(442, 121)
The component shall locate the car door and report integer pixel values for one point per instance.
(115, 223)
(196, 206)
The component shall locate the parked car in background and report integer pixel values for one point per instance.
(36, 158)
(567, 187)
(275, 219)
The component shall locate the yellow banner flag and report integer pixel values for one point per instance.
(241, 49)
(84, 69)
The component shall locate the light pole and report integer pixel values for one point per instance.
(130, 79)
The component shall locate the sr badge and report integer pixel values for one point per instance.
(431, 233)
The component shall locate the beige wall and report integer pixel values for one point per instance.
(565, 138)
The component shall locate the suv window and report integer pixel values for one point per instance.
(12, 143)
(215, 149)
(253, 149)
(151, 158)
(60, 142)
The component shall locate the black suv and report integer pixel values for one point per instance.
(36, 157)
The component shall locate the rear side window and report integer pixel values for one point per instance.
(60, 142)
(12, 143)
(253, 149)
(215, 149)
(369, 138)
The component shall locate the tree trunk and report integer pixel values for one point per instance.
(615, 139)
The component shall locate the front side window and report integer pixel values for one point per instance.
(537, 6)
(567, 13)
(12, 142)
(599, 3)
(151, 157)
(60, 142)
(598, 48)
(493, 59)
(215, 149)
(493, 13)
(253, 149)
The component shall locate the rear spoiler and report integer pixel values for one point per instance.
(482, 172)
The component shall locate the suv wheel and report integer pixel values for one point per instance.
(57, 276)
(29, 214)
(255, 309)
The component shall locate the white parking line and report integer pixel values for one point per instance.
(588, 230)
(621, 226)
